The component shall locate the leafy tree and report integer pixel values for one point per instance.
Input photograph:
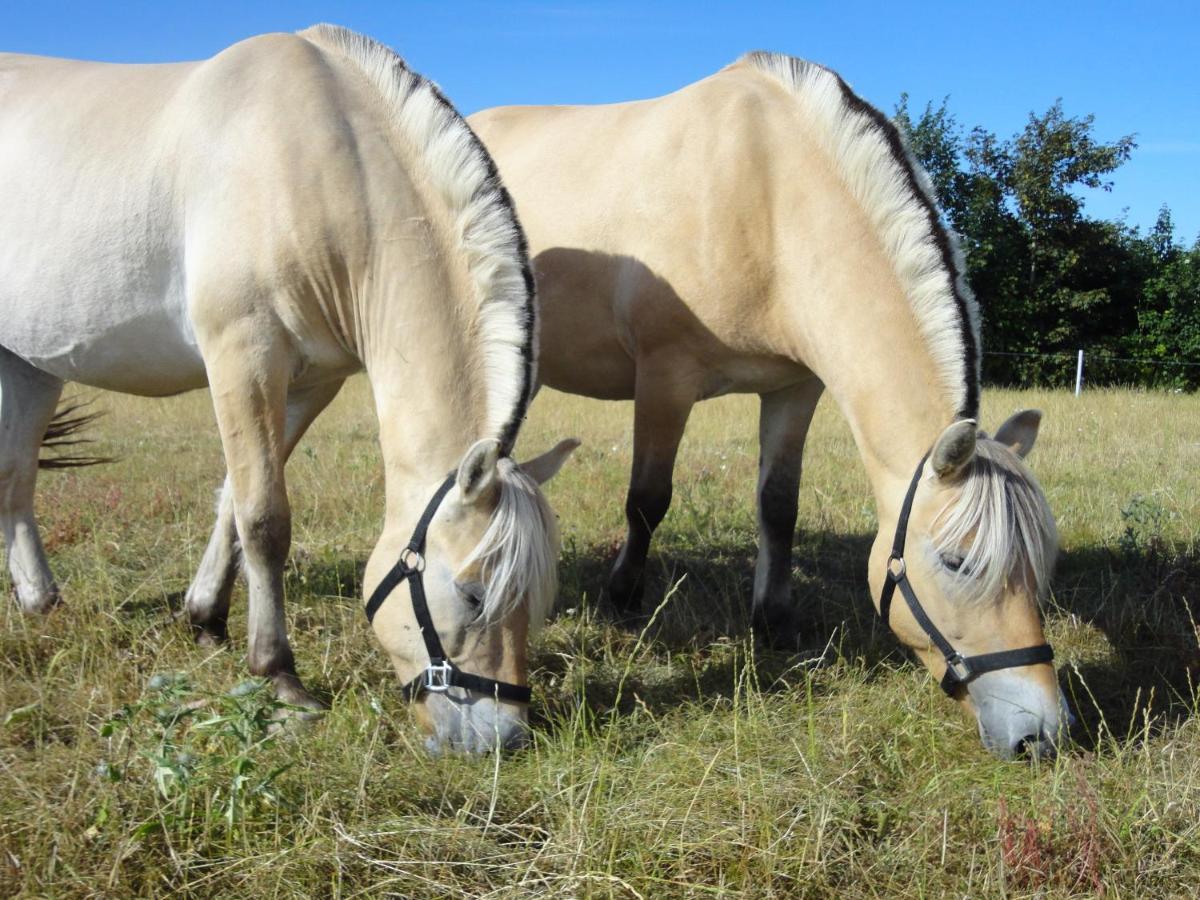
(1048, 278)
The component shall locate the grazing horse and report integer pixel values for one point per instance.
(765, 230)
(267, 222)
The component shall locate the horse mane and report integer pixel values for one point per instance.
(1002, 514)
(464, 175)
(518, 554)
(897, 196)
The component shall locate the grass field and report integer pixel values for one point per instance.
(679, 762)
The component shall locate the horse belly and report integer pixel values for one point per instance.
(91, 249)
(140, 348)
(108, 311)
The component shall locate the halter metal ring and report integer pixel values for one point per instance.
(896, 567)
(412, 559)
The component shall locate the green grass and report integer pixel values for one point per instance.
(681, 762)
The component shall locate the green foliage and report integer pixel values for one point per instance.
(206, 754)
(1145, 518)
(1049, 279)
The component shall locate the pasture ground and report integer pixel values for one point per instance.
(679, 762)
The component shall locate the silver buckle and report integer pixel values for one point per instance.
(897, 571)
(959, 667)
(437, 677)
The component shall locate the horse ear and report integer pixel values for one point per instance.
(954, 448)
(477, 471)
(1020, 431)
(542, 468)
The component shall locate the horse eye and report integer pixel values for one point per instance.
(472, 594)
(953, 563)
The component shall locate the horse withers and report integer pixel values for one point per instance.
(267, 222)
(765, 230)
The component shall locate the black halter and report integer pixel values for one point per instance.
(441, 674)
(959, 669)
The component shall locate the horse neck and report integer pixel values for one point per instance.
(863, 342)
(427, 381)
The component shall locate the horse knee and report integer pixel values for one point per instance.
(16, 485)
(266, 533)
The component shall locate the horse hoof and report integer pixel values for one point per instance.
(625, 594)
(41, 605)
(290, 690)
(210, 635)
(779, 626)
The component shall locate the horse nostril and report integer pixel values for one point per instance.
(1027, 746)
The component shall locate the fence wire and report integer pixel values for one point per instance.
(1030, 368)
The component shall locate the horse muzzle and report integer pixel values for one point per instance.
(1018, 717)
(459, 721)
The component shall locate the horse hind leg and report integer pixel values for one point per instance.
(784, 418)
(208, 595)
(28, 398)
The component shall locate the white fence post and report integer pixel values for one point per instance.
(1079, 374)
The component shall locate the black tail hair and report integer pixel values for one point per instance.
(63, 433)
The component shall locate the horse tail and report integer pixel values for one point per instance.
(63, 435)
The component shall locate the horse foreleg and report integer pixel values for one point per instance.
(662, 403)
(784, 418)
(28, 397)
(209, 593)
(248, 365)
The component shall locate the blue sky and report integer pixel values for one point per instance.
(1131, 64)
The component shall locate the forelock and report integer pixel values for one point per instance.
(518, 553)
(1000, 516)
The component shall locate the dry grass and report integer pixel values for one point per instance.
(686, 763)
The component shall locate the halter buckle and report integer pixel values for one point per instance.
(437, 677)
(959, 666)
(896, 568)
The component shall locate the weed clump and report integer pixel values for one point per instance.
(212, 757)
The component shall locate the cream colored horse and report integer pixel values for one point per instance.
(267, 222)
(764, 230)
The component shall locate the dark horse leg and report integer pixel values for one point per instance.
(783, 426)
(662, 401)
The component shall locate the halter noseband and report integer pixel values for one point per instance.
(959, 669)
(441, 674)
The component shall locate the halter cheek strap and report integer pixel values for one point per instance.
(441, 674)
(960, 670)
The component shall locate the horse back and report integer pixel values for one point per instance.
(656, 229)
(128, 187)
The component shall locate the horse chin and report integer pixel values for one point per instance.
(456, 721)
(1018, 716)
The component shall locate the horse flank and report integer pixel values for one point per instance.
(465, 177)
(895, 193)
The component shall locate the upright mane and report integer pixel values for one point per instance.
(895, 193)
(1002, 514)
(464, 175)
